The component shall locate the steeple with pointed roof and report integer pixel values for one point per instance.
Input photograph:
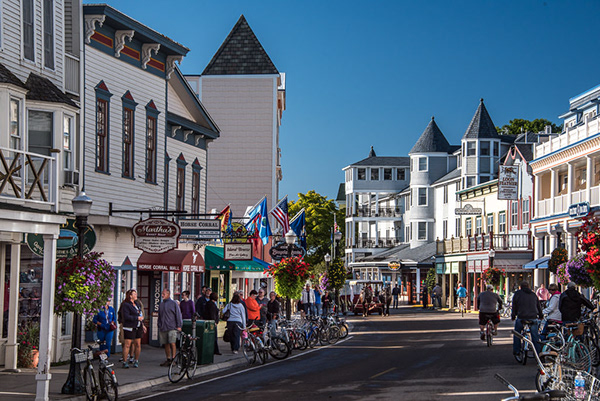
(481, 125)
(431, 141)
(240, 54)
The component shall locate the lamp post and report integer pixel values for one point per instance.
(492, 255)
(82, 205)
(558, 230)
(290, 239)
(327, 258)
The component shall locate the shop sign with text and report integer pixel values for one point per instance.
(508, 183)
(156, 235)
(233, 251)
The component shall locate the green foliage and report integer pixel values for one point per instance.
(319, 222)
(558, 257)
(290, 275)
(336, 275)
(431, 279)
(518, 125)
(28, 338)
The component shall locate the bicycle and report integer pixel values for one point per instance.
(521, 357)
(489, 333)
(546, 395)
(106, 382)
(185, 361)
(462, 305)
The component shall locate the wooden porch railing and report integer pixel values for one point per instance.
(483, 242)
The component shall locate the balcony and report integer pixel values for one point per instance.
(484, 242)
(381, 212)
(376, 243)
(571, 136)
(560, 203)
(28, 178)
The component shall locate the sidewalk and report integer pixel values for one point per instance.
(21, 386)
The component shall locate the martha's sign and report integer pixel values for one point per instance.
(156, 235)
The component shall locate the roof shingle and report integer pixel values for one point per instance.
(481, 125)
(431, 140)
(42, 89)
(7, 77)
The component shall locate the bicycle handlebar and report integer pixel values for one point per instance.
(516, 333)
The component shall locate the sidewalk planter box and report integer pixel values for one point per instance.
(205, 331)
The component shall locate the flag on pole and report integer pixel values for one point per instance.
(298, 225)
(225, 217)
(280, 213)
(259, 221)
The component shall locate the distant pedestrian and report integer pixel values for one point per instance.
(542, 293)
(211, 312)
(103, 320)
(262, 302)
(436, 295)
(132, 318)
(169, 323)
(395, 294)
(387, 300)
(308, 299)
(201, 302)
(326, 301)
(424, 296)
(236, 321)
(273, 307)
(318, 305)
(253, 308)
(188, 309)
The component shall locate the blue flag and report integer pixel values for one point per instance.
(298, 225)
(259, 221)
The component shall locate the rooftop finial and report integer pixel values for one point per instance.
(481, 100)
(372, 152)
(432, 118)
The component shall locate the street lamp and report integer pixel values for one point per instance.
(558, 230)
(82, 204)
(337, 236)
(290, 239)
(492, 255)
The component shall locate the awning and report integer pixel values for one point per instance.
(541, 263)
(214, 258)
(511, 265)
(173, 261)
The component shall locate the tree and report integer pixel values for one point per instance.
(319, 222)
(431, 279)
(518, 125)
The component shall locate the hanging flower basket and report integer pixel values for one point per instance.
(562, 274)
(493, 275)
(83, 285)
(577, 268)
(589, 242)
(290, 275)
(558, 257)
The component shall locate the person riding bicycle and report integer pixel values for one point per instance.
(526, 306)
(570, 303)
(461, 293)
(488, 303)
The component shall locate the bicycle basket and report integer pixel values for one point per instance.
(592, 384)
(81, 357)
(579, 330)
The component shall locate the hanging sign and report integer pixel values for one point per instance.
(200, 229)
(467, 210)
(578, 210)
(233, 251)
(508, 183)
(393, 265)
(156, 235)
(67, 242)
(281, 251)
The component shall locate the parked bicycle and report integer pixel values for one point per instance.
(103, 385)
(547, 395)
(186, 359)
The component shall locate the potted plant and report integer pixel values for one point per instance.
(28, 338)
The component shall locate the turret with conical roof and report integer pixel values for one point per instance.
(431, 140)
(481, 125)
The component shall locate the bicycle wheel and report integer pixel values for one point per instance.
(177, 368)
(263, 355)
(279, 348)
(542, 382)
(525, 348)
(313, 338)
(301, 341)
(334, 334)
(343, 330)
(193, 362)
(109, 384)
(578, 356)
(488, 334)
(324, 336)
(249, 350)
(89, 383)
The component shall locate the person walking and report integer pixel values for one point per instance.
(570, 303)
(273, 307)
(262, 302)
(253, 308)
(308, 299)
(187, 307)
(436, 295)
(169, 323)
(543, 294)
(211, 312)
(106, 322)
(317, 308)
(326, 301)
(236, 321)
(202, 301)
(424, 295)
(395, 294)
(526, 306)
(133, 328)
(387, 299)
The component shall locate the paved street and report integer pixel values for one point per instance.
(412, 355)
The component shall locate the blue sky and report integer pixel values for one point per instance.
(362, 74)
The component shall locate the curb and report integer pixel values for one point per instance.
(129, 388)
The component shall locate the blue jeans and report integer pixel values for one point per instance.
(319, 309)
(535, 337)
(107, 336)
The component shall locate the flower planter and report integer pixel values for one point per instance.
(28, 359)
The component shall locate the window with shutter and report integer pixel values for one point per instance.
(49, 34)
(28, 52)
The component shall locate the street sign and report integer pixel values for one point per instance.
(233, 251)
(66, 245)
(280, 251)
(201, 229)
(578, 210)
(156, 235)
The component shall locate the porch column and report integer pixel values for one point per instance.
(13, 314)
(444, 292)
(570, 175)
(588, 178)
(4, 288)
(46, 319)
(418, 285)
(451, 288)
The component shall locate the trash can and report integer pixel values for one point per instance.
(205, 345)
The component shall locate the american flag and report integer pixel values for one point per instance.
(280, 212)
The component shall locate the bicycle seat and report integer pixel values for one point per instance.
(571, 325)
(253, 328)
(548, 353)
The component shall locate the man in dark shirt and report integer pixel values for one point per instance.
(488, 303)
(526, 306)
(202, 301)
(570, 303)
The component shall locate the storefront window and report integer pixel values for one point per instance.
(30, 286)
(176, 286)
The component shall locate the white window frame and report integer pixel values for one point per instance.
(419, 225)
(22, 33)
(458, 228)
(398, 172)
(391, 171)
(489, 148)
(419, 196)
(445, 194)
(426, 162)
(468, 226)
(53, 5)
(478, 225)
(19, 136)
(502, 222)
(525, 211)
(490, 223)
(445, 228)
(514, 213)
(471, 148)
(372, 171)
(358, 170)
(68, 155)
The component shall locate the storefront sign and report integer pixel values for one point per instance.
(579, 210)
(281, 251)
(237, 233)
(467, 210)
(238, 251)
(67, 243)
(201, 229)
(508, 183)
(156, 235)
(393, 265)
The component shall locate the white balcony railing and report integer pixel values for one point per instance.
(561, 204)
(71, 74)
(28, 177)
(569, 137)
(579, 196)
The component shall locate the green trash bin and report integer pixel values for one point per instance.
(205, 345)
